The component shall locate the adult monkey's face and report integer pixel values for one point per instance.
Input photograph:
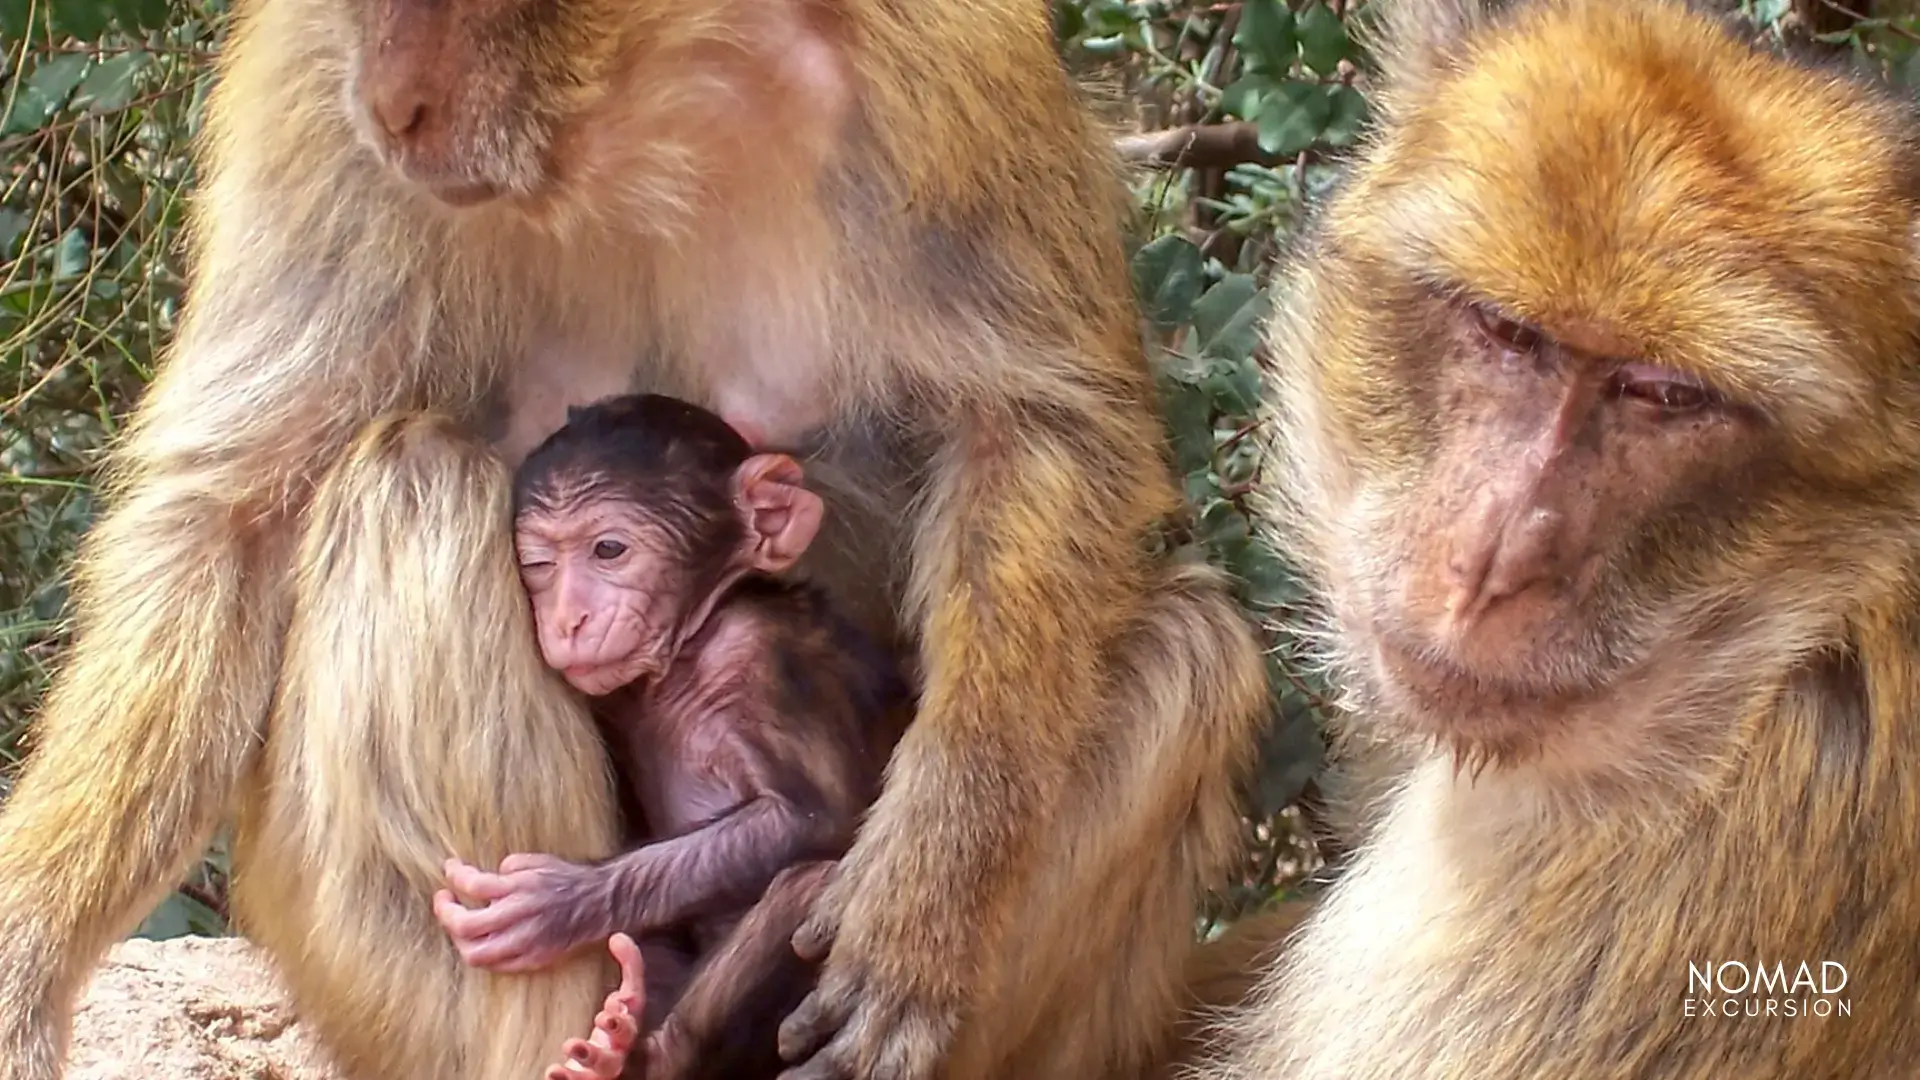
(466, 97)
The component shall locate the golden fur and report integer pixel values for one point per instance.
(883, 230)
(1626, 174)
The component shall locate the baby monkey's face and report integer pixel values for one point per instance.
(611, 590)
(624, 562)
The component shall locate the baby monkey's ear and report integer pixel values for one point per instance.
(780, 514)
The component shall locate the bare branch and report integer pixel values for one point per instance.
(1198, 146)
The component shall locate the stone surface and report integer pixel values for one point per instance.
(189, 1009)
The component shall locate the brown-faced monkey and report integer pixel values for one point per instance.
(882, 235)
(1596, 405)
(750, 724)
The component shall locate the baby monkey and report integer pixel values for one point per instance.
(750, 726)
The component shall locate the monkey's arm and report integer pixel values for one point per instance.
(1031, 560)
(721, 866)
(539, 908)
(140, 747)
(180, 608)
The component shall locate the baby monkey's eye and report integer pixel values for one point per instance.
(609, 549)
(1508, 334)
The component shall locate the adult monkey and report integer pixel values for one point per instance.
(1597, 413)
(881, 230)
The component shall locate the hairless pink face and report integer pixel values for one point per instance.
(607, 594)
(615, 590)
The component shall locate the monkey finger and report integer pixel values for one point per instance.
(597, 1060)
(472, 883)
(445, 908)
(527, 861)
(619, 1028)
(515, 949)
(807, 1028)
(914, 1043)
(626, 953)
(815, 937)
(504, 957)
(832, 1063)
(497, 917)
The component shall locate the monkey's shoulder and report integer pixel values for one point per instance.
(802, 646)
(797, 618)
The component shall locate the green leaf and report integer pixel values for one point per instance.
(13, 224)
(1291, 753)
(1293, 118)
(143, 14)
(84, 19)
(1167, 275)
(44, 91)
(110, 85)
(1216, 513)
(1199, 486)
(180, 915)
(1068, 21)
(1265, 36)
(1350, 112)
(1110, 17)
(1242, 97)
(1189, 423)
(1269, 583)
(1228, 318)
(1770, 11)
(73, 256)
(1323, 38)
(1235, 386)
(14, 15)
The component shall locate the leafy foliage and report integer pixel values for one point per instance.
(100, 99)
(98, 103)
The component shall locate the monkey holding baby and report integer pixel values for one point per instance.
(750, 724)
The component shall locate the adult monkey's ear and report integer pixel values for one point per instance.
(780, 514)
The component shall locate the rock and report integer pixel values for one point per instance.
(189, 1008)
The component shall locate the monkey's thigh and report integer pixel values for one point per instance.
(414, 722)
(667, 966)
(1092, 983)
(726, 1025)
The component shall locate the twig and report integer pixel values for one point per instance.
(215, 903)
(1891, 27)
(1198, 146)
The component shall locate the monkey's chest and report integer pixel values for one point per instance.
(775, 390)
(677, 767)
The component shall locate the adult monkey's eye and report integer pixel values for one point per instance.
(1667, 390)
(609, 549)
(1510, 335)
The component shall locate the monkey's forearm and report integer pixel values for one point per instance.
(141, 745)
(1031, 563)
(724, 865)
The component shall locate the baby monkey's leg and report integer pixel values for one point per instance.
(727, 1022)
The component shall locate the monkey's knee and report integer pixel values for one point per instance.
(424, 462)
(800, 885)
(414, 520)
(1193, 653)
